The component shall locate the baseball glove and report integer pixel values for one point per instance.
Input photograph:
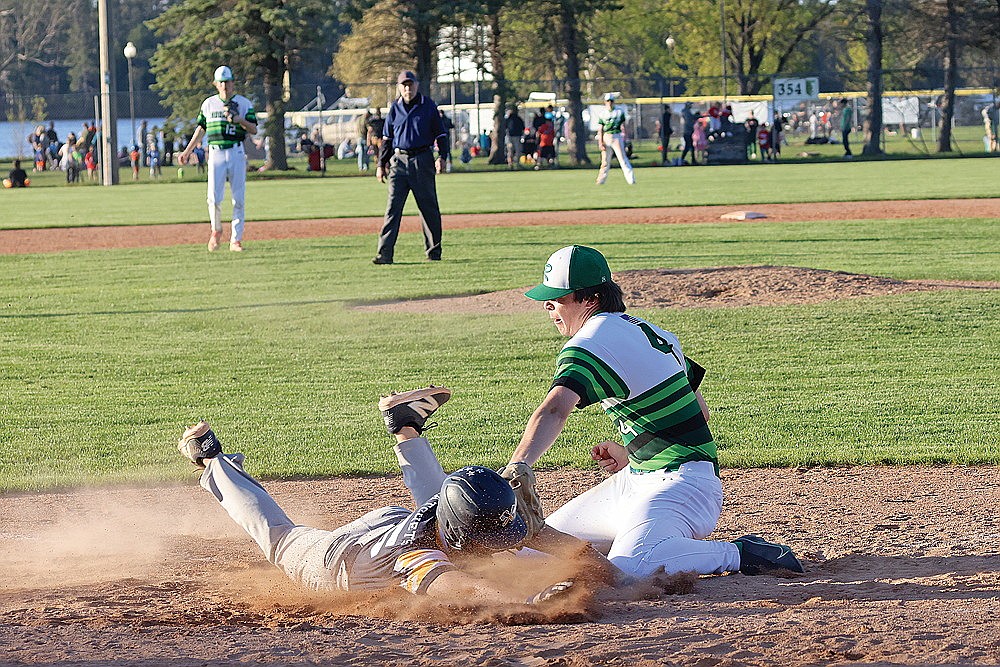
(529, 506)
(232, 110)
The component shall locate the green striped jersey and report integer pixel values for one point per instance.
(645, 384)
(612, 120)
(219, 131)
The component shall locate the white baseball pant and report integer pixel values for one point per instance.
(615, 143)
(641, 521)
(227, 164)
(644, 521)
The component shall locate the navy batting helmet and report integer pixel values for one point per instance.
(477, 510)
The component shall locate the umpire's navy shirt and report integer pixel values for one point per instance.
(411, 127)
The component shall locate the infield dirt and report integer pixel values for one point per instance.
(901, 568)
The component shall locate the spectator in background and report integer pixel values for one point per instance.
(537, 120)
(726, 118)
(448, 127)
(665, 130)
(846, 124)
(690, 117)
(135, 157)
(90, 162)
(484, 143)
(37, 141)
(305, 145)
(199, 154)
(376, 124)
(994, 115)
(154, 159)
(17, 178)
(346, 149)
(67, 160)
(777, 133)
(142, 141)
(764, 142)
(362, 132)
(546, 145)
(515, 136)
(700, 138)
(714, 121)
(53, 138)
(751, 124)
(86, 139)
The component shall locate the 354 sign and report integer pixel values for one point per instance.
(806, 88)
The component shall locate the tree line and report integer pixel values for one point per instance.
(48, 46)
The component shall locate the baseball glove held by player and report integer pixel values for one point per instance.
(529, 505)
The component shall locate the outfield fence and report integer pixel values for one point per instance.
(912, 110)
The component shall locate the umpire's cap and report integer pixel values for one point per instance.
(477, 510)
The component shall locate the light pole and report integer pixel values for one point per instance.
(130, 52)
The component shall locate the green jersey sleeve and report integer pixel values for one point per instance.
(588, 376)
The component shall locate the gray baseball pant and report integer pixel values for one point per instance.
(412, 173)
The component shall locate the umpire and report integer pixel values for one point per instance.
(412, 127)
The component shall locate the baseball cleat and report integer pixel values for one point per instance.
(236, 246)
(758, 556)
(199, 443)
(382, 259)
(213, 241)
(412, 408)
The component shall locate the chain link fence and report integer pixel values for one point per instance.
(811, 127)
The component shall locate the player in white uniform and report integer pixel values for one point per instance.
(664, 495)
(226, 119)
(611, 139)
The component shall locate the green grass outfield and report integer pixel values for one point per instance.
(570, 189)
(106, 355)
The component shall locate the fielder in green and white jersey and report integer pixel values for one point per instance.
(216, 118)
(664, 495)
(645, 384)
(611, 140)
(226, 119)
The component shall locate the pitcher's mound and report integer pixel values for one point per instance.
(727, 286)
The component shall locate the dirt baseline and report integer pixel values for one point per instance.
(902, 568)
(18, 241)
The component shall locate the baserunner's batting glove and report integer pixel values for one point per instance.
(529, 505)
(550, 592)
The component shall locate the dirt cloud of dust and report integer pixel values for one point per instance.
(92, 536)
(269, 593)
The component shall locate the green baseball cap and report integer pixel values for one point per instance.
(568, 269)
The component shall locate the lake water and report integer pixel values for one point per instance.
(14, 135)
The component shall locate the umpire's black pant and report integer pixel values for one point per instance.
(412, 173)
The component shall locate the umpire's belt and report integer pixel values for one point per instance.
(412, 151)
